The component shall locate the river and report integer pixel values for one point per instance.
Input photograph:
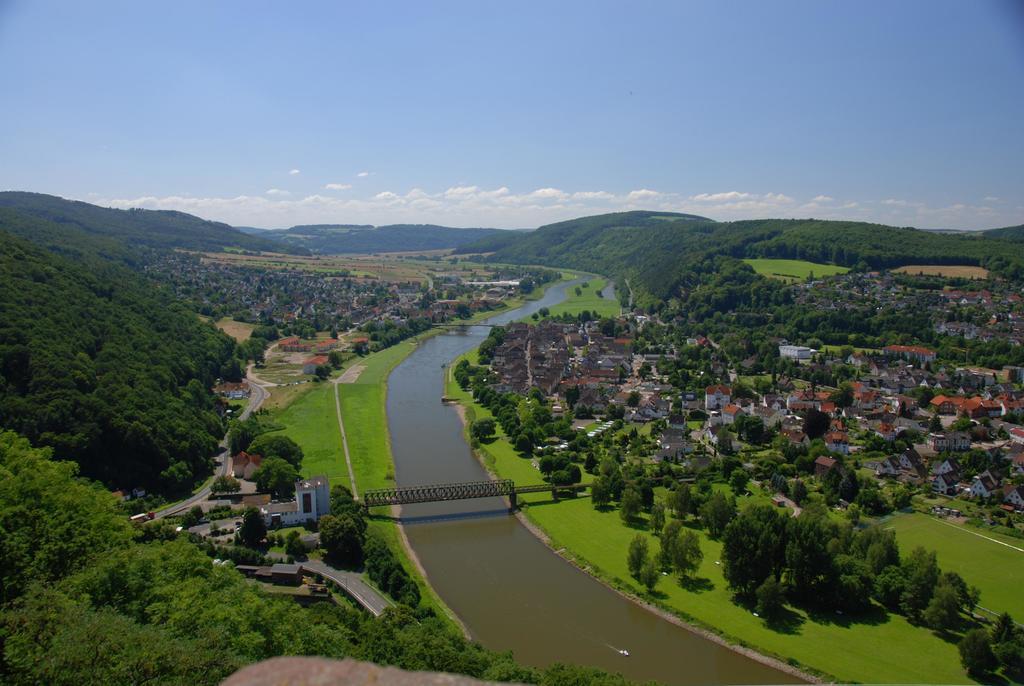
(508, 588)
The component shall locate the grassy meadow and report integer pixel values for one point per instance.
(588, 299)
(793, 270)
(993, 563)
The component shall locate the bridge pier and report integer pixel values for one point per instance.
(513, 502)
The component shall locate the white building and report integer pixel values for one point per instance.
(796, 352)
(312, 501)
(717, 397)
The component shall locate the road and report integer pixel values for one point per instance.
(352, 584)
(257, 396)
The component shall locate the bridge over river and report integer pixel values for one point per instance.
(465, 490)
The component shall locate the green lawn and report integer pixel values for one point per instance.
(588, 299)
(889, 650)
(793, 270)
(991, 565)
(884, 648)
(311, 422)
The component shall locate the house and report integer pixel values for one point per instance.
(837, 442)
(796, 437)
(951, 441)
(984, 485)
(1017, 435)
(243, 465)
(717, 397)
(915, 353)
(232, 390)
(946, 484)
(310, 365)
(944, 404)
(716, 437)
(910, 461)
(1014, 495)
(677, 421)
(823, 465)
(312, 501)
(796, 352)
(731, 412)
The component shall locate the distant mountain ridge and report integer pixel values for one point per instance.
(137, 227)
(363, 238)
(661, 253)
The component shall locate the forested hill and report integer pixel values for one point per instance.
(1007, 233)
(138, 227)
(662, 253)
(342, 238)
(102, 366)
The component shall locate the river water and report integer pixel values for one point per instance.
(508, 588)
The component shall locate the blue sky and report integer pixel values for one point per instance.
(518, 114)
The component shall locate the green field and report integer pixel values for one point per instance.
(873, 650)
(995, 564)
(793, 270)
(588, 299)
(885, 649)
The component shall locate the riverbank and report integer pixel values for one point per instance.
(884, 648)
(362, 403)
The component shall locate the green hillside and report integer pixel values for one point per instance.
(662, 255)
(102, 366)
(1007, 233)
(137, 227)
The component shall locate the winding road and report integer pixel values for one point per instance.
(257, 396)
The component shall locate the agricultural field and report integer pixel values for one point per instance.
(958, 271)
(240, 331)
(993, 563)
(391, 267)
(590, 299)
(793, 270)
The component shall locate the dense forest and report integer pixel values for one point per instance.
(663, 254)
(137, 227)
(85, 598)
(101, 365)
(342, 238)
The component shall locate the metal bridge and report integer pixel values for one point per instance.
(433, 493)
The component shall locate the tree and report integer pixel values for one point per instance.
(686, 553)
(224, 484)
(253, 529)
(943, 611)
(600, 494)
(681, 500)
(649, 574)
(799, 492)
(976, 653)
(738, 481)
(637, 555)
(293, 544)
(657, 522)
(716, 513)
(524, 444)
(341, 539)
(816, 423)
(482, 429)
(634, 399)
(629, 506)
(770, 598)
(922, 573)
(276, 445)
(753, 548)
(669, 540)
(192, 517)
(276, 476)
(322, 372)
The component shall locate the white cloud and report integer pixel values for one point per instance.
(364, 174)
(472, 205)
(294, 172)
(338, 186)
(548, 194)
(642, 195)
(990, 198)
(592, 195)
